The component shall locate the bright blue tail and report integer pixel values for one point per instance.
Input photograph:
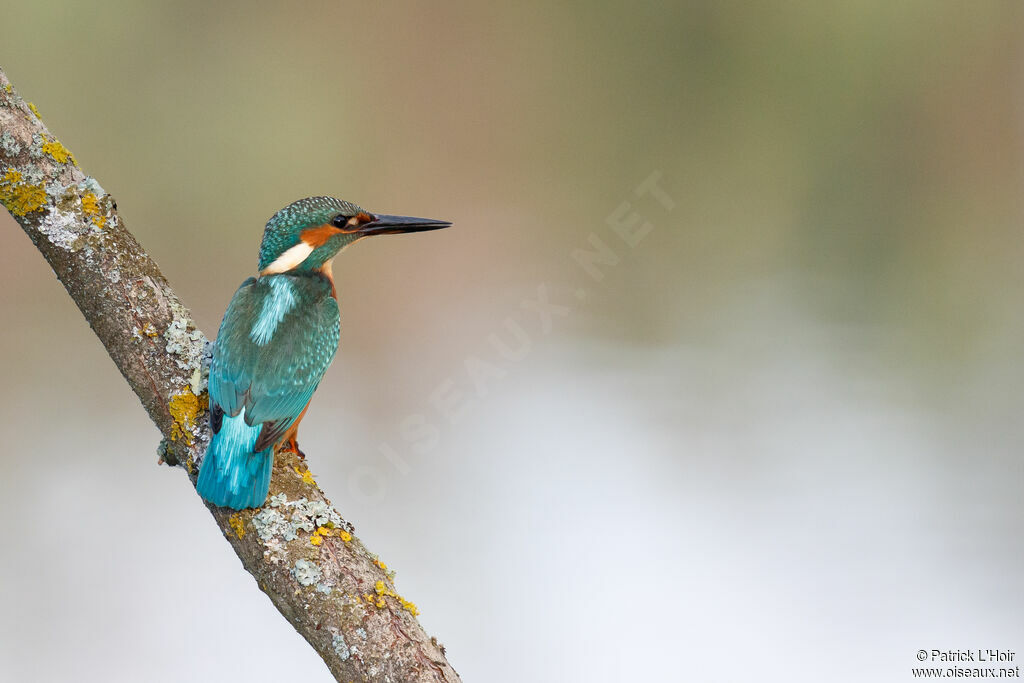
(231, 475)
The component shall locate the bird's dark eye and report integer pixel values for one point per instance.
(340, 221)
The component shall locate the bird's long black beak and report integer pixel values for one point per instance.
(393, 225)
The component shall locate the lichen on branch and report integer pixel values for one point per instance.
(300, 550)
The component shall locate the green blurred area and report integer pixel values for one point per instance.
(871, 148)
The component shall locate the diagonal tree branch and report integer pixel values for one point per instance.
(301, 552)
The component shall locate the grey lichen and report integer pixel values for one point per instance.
(34, 175)
(62, 223)
(271, 524)
(185, 344)
(90, 184)
(340, 647)
(323, 515)
(12, 98)
(306, 572)
(8, 145)
(307, 515)
(60, 227)
(54, 188)
(282, 520)
(195, 381)
(300, 521)
(35, 150)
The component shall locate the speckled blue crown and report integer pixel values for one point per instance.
(284, 226)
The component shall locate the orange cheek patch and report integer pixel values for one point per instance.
(318, 236)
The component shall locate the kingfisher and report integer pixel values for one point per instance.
(278, 336)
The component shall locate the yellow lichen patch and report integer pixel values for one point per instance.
(307, 476)
(185, 408)
(58, 151)
(410, 607)
(322, 532)
(383, 591)
(380, 564)
(237, 525)
(317, 537)
(20, 198)
(34, 110)
(91, 208)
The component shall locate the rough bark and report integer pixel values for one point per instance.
(301, 552)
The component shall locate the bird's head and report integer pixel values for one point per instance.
(307, 234)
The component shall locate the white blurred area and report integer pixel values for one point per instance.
(772, 502)
(779, 440)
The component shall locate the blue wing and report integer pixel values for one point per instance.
(277, 339)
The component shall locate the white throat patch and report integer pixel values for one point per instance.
(288, 259)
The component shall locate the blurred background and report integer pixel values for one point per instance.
(773, 434)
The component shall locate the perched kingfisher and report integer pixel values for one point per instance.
(277, 339)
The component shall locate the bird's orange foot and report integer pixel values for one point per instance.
(293, 445)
